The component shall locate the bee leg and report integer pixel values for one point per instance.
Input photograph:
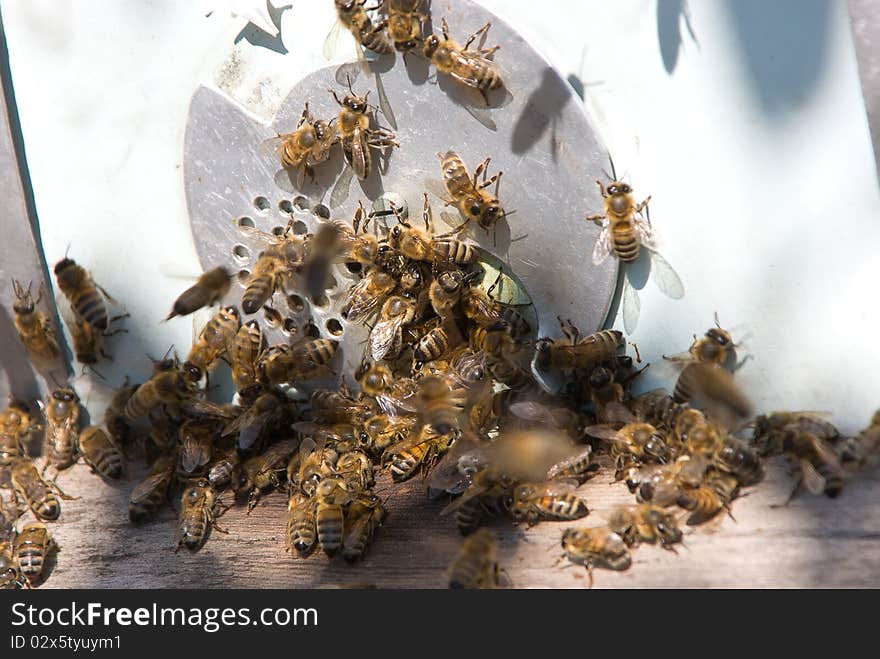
(306, 115)
(486, 53)
(444, 27)
(219, 528)
(481, 169)
(61, 493)
(106, 294)
(797, 486)
(483, 31)
(643, 205)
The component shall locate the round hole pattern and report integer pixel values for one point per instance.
(241, 252)
(278, 231)
(246, 222)
(243, 276)
(312, 331)
(285, 206)
(353, 267)
(321, 211)
(301, 203)
(321, 301)
(334, 327)
(261, 204)
(300, 228)
(290, 325)
(296, 303)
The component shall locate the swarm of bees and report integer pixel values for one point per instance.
(446, 391)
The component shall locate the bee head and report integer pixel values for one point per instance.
(432, 43)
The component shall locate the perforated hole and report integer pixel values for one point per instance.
(278, 231)
(243, 276)
(290, 326)
(246, 222)
(285, 206)
(273, 317)
(321, 301)
(241, 252)
(334, 327)
(261, 204)
(353, 267)
(312, 331)
(301, 203)
(300, 228)
(321, 211)
(296, 303)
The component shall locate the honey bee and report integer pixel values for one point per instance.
(711, 387)
(607, 395)
(307, 359)
(39, 495)
(634, 441)
(437, 342)
(11, 577)
(476, 565)
(214, 341)
(552, 500)
(470, 197)
(245, 350)
(100, 453)
(424, 245)
(484, 310)
(261, 472)
(715, 347)
(624, 232)
(857, 450)
(199, 509)
(309, 144)
(33, 548)
(445, 292)
(260, 418)
(37, 334)
(339, 406)
(663, 485)
(645, 523)
(378, 381)
(596, 547)
(579, 466)
(62, 413)
(382, 430)
(330, 496)
(353, 16)
(714, 495)
(364, 516)
(770, 429)
(419, 450)
(197, 438)
(163, 388)
(740, 460)
(82, 293)
(439, 402)
(221, 471)
(368, 295)
(207, 291)
(473, 68)
(386, 337)
(356, 134)
(88, 343)
(149, 495)
(272, 268)
(406, 20)
(302, 533)
(820, 468)
(577, 352)
(11, 449)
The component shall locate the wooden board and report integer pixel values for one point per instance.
(814, 542)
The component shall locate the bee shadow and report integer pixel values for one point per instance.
(540, 113)
(20, 377)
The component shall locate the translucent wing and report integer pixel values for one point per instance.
(143, 489)
(271, 147)
(361, 305)
(631, 306)
(813, 480)
(384, 335)
(474, 491)
(530, 410)
(665, 277)
(646, 234)
(384, 103)
(357, 154)
(437, 188)
(602, 248)
(194, 454)
(350, 71)
(603, 431)
(615, 412)
(331, 43)
(557, 486)
(341, 189)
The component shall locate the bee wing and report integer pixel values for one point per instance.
(646, 233)
(529, 410)
(582, 454)
(813, 480)
(357, 153)
(383, 336)
(202, 407)
(603, 431)
(665, 277)
(472, 492)
(556, 487)
(631, 306)
(391, 405)
(194, 454)
(143, 489)
(437, 188)
(271, 147)
(602, 248)
(331, 42)
(384, 103)
(359, 305)
(618, 413)
(482, 115)
(351, 70)
(449, 220)
(827, 454)
(342, 187)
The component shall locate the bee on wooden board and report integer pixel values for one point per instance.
(199, 509)
(34, 546)
(62, 412)
(596, 547)
(624, 232)
(476, 564)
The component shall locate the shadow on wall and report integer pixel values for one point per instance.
(784, 45)
(671, 14)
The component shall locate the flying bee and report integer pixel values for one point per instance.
(469, 195)
(419, 450)
(169, 388)
(437, 342)
(244, 351)
(261, 472)
(711, 388)
(88, 343)
(473, 68)
(439, 402)
(62, 413)
(199, 509)
(214, 341)
(36, 332)
(714, 495)
(100, 453)
(820, 468)
(624, 232)
(39, 495)
(364, 516)
(330, 496)
(445, 292)
(576, 351)
(424, 245)
(770, 429)
(715, 347)
(476, 565)
(258, 420)
(82, 293)
(857, 450)
(356, 134)
(309, 144)
(633, 443)
(596, 547)
(302, 533)
(197, 439)
(148, 496)
(207, 291)
(645, 523)
(367, 295)
(386, 337)
(552, 500)
(406, 20)
(33, 548)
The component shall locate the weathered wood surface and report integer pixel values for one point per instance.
(814, 542)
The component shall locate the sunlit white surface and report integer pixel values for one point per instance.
(754, 146)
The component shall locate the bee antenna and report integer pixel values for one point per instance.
(613, 171)
(717, 324)
(348, 80)
(66, 251)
